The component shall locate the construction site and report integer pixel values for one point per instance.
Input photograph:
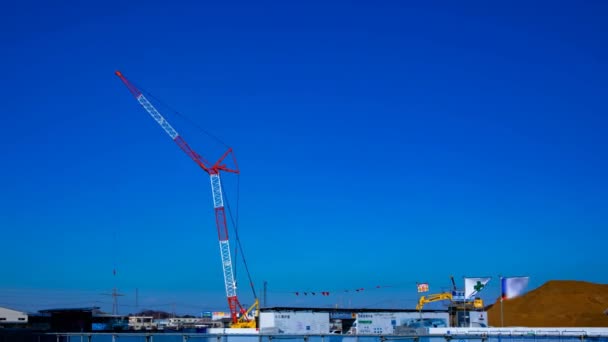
(330, 171)
(556, 304)
(461, 312)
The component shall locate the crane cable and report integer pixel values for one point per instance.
(235, 222)
(236, 233)
(182, 116)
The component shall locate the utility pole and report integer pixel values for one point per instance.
(265, 292)
(115, 296)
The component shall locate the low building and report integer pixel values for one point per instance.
(294, 322)
(400, 323)
(12, 318)
(363, 321)
(71, 319)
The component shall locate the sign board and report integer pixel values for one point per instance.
(458, 296)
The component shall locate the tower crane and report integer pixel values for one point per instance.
(218, 204)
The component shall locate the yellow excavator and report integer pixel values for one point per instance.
(244, 321)
(433, 298)
(477, 302)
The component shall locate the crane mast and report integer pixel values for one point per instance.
(216, 190)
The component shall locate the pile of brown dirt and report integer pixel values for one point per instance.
(557, 303)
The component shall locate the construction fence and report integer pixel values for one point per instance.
(177, 337)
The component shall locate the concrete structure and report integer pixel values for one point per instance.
(12, 317)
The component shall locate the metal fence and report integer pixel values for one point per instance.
(170, 337)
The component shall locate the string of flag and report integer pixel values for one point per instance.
(351, 290)
(510, 287)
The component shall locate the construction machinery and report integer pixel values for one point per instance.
(433, 298)
(458, 302)
(459, 308)
(244, 321)
(239, 316)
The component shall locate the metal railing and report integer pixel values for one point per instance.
(195, 337)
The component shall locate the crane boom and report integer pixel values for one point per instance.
(216, 190)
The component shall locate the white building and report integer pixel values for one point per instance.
(294, 322)
(314, 321)
(402, 323)
(8, 316)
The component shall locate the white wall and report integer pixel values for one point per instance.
(12, 316)
(294, 322)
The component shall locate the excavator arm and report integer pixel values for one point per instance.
(433, 298)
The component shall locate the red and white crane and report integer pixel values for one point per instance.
(218, 201)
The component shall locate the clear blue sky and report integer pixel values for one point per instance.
(380, 144)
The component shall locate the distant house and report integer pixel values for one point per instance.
(11, 318)
(142, 323)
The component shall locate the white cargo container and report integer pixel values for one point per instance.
(402, 323)
(294, 322)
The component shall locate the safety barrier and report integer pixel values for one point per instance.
(501, 336)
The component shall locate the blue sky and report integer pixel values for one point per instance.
(380, 145)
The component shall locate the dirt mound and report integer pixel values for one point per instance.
(557, 303)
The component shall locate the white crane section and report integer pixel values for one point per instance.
(216, 190)
(156, 116)
(227, 266)
(218, 203)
